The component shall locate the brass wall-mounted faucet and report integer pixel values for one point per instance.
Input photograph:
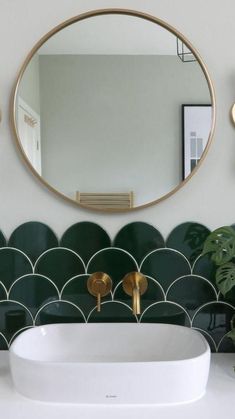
(99, 284)
(135, 284)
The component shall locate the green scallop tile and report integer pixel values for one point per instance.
(226, 345)
(76, 292)
(205, 267)
(13, 264)
(229, 297)
(165, 265)
(153, 294)
(3, 343)
(19, 332)
(111, 312)
(33, 291)
(85, 238)
(191, 292)
(114, 262)
(33, 238)
(165, 312)
(188, 238)
(59, 265)
(139, 239)
(2, 240)
(215, 319)
(3, 294)
(59, 312)
(13, 318)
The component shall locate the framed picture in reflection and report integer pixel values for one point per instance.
(196, 125)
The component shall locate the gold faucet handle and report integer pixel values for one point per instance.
(99, 285)
(135, 284)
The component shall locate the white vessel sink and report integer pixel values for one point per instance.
(111, 363)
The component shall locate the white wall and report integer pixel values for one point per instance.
(209, 197)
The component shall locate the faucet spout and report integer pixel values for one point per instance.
(136, 300)
(135, 284)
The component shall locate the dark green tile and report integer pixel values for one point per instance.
(3, 343)
(114, 262)
(165, 265)
(189, 239)
(153, 294)
(215, 319)
(33, 291)
(205, 267)
(2, 239)
(59, 265)
(139, 239)
(76, 291)
(191, 292)
(19, 332)
(13, 318)
(165, 312)
(59, 312)
(226, 345)
(13, 264)
(86, 239)
(229, 297)
(3, 294)
(33, 238)
(112, 312)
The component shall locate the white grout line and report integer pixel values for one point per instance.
(115, 249)
(18, 251)
(149, 277)
(221, 341)
(166, 249)
(210, 303)
(18, 331)
(59, 248)
(4, 338)
(70, 280)
(208, 334)
(5, 289)
(17, 302)
(112, 302)
(194, 276)
(167, 302)
(196, 260)
(34, 275)
(60, 302)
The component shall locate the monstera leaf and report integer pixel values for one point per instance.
(225, 277)
(221, 244)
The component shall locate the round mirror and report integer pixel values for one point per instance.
(114, 110)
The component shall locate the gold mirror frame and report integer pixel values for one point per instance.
(80, 18)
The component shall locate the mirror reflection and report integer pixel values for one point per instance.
(113, 111)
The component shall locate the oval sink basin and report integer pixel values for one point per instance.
(111, 363)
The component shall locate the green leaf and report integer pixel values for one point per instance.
(221, 244)
(225, 277)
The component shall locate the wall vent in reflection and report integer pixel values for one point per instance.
(106, 200)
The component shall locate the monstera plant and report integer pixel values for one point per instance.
(220, 245)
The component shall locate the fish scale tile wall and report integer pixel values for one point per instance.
(44, 280)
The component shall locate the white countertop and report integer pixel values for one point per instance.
(218, 401)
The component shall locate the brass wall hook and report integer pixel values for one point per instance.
(99, 284)
(135, 284)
